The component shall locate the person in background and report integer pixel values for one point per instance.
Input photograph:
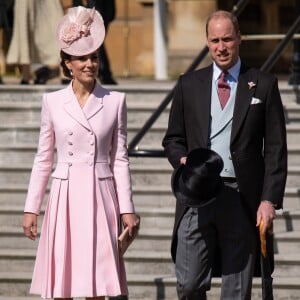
(236, 111)
(6, 24)
(34, 23)
(90, 198)
(107, 8)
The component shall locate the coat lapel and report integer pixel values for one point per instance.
(73, 108)
(95, 102)
(93, 105)
(244, 95)
(203, 105)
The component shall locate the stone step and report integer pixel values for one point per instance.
(291, 198)
(155, 233)
(13, 133)
(287, 242)
(289, 93)
(292, 112)
(141, 175)
(14, 194)
(28, 135)
(143, 91)
(135, 86)
(149, 287)
(154, 238)
(17, 94)
(19, 145)
(165, 289)
(148, 239)
(287, 264)
(25, 152)
(287, 220)
(293, 130)
(20, 114)
(13, 238)
(17, 260)
(22, 153)
(156, 223)
(153, 217)
(143, 196)
(294, 154)
(21, 298)
(293, 179)
(26, 132)
(18, 153)
(155, 262)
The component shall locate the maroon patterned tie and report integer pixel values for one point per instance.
(223, 89)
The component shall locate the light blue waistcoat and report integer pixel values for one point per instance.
(220, 129)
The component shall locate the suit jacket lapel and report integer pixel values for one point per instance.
(203, 104)
(244, 95)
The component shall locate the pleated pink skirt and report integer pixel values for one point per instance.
(78, 254)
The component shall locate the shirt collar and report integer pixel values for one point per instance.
(233, 71)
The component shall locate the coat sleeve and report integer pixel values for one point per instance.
(43, 162)
(275, 148)
(174, 141)
(120, 161)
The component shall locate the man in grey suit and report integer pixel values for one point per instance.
(248, 132)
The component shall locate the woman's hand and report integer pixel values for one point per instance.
(132, 221)
(29, 225)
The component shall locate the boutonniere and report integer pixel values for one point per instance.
(251, 85)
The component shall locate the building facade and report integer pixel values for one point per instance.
(130, 39)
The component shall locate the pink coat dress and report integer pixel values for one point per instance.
(77, 254)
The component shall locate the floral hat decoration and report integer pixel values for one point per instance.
(81, 31)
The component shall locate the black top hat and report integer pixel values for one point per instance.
(198, 182)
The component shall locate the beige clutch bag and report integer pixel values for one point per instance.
(125, 240)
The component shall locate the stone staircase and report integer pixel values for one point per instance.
(148, 262)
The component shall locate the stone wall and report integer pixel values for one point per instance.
(129, 39)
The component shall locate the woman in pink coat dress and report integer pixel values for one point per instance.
(90, 195)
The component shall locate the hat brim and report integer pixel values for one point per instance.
(198, 182)
(204, 195)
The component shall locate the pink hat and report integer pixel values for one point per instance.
(81, 31)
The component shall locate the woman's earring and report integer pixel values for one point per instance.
(71, 73)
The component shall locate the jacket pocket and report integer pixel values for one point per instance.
(61, 171)
(103, 170)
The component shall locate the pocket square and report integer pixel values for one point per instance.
(255, 101)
